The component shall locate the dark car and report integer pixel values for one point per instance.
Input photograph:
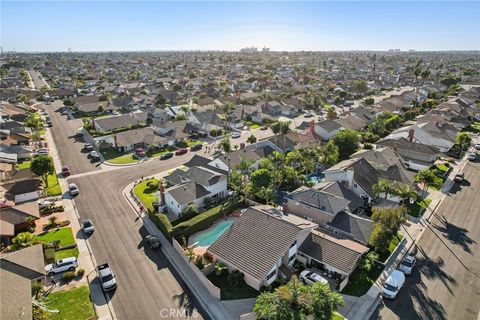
(87, 226)
(88, 147)
(140, 152)
(196, 147)
(153, 241)
(179, 152)
(66, 171)
(166, 156)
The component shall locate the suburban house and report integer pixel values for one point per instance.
(415, 156)
(314, 205)
(338, 189)
(253, 153)
(295, 140)
(332, 255)
(192, 186)
(13, 219)
(356, 175)
(174, 131)
(262, 243)
(427, 133)
(18, 270)
(326, 129)
(129, 140)
(120, 122)
(351, 226)
(21, 191)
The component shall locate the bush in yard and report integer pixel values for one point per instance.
(207, 257)
(68, 276)
(162, 223)
(207, 202)
(220, 269)
(199, 262)
(80, 273)
(367, 262)
(153, 184)
(37, 288)
(235, 278)
(190, 211)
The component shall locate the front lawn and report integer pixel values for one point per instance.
(116, 157)
(337, 316)
(414, 209)
(73, 304)
(24, 165)
(393, 244)
(252, 125)
(145, 194)
(228, 292)
(65, 236)
(361, 281)
(53, 188)
(155, 152)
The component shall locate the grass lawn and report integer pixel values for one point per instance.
(73, 304)
(113, 156)
(227, 292)
(191, 143)
(252, 125)
(65, 236)
(360, 281)
(42, 132)
(473, 127)
(442, 167)
(337, 316)
(145, 194)
(24, 165)
(414, 209)
(53, 188)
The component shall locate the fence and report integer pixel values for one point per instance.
(214, 291)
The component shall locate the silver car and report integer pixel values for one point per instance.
(407, 264)
(73, 189)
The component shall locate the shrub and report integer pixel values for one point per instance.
(220, 269)
(162, 223)
(153, 184)
(190, 211)
(235, 278)
(207, 257)
(207, 202)
(80, 273)
(49, 255)
(199, 262)
(68, 276)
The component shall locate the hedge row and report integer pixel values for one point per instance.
(162, 223)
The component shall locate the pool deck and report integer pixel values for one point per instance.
(200, 250)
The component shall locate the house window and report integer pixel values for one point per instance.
(271, 274)
(355, 185)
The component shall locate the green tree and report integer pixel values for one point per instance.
(369, 101)
(42, 166)
(347, 142)
(225, 145)
(329, 154)
(385, 187)
(267, 194)
(260, 178)
(337, 100)
(23, 240)
(331, 114)
(100, 108)
(406, 193)
(252, 139)
(463, 139)
(427, 178)
(34, 122)
(387, 223)
(190, 211)
(368, 261)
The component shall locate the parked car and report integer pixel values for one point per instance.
(43, 112)
(263, 128)
(41, 152)
(67, 264)
(87, 226)
(64, 112)
(79, 133)
(196, 147)
(45, 203)
(73, 189)
(393, 284)
(407, 264)
(472, 156)
(65, 171)
(88, 147)
(179, 152)
(106, 277)
(459, 177)
(310, 277)
(308, 115)
(49, 122)
(166, 156)
(140, 152)
(477, 146)
(236, 135)
(94, 155)
(153, 241)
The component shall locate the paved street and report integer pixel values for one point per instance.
(68, 146)
(37, 79)
(446, 282)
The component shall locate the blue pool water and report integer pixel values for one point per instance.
(316, 178)
(206, 238)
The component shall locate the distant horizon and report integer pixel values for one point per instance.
(121, 26)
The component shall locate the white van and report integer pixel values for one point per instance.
(393, 284)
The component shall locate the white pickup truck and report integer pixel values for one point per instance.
(106, 277)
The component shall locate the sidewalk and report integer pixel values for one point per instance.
(86, 260)
(209, 304)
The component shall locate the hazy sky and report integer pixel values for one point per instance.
(157, 25)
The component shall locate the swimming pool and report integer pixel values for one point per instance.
(206, 238)
(315, 178)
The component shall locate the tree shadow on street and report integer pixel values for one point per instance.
(456, 235)
(432, 269)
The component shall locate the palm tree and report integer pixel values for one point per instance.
(227, 107)
(385, 187)
(406, 193)
(427, 178)
(23, 240)
(267, 194)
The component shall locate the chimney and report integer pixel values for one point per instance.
(162, 194)
(411, 133)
